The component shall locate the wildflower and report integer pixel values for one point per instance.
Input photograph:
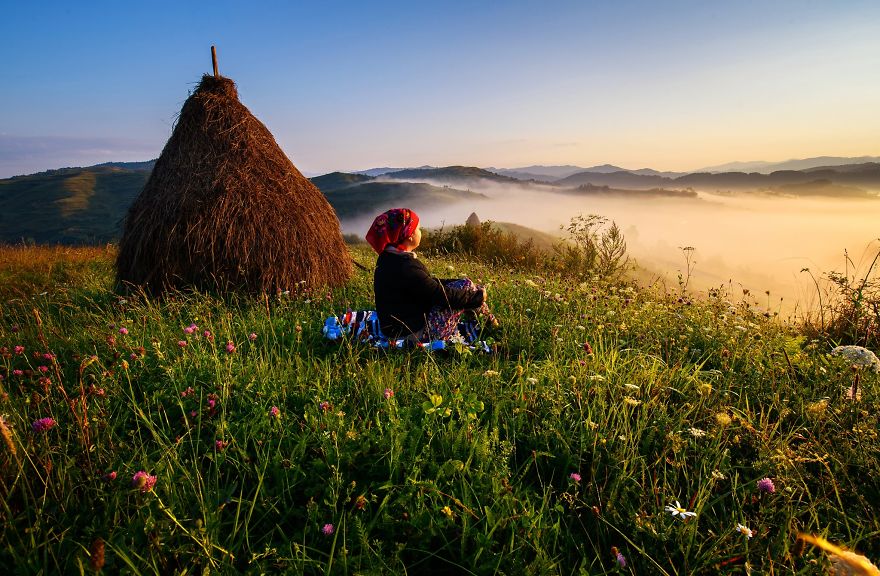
(43, 425)
(717, 475)
(575, 477)
(220, 445)
(696, 432)
(632, 401)
(212, 403)
(188, 392)
(274, 412)
(18, 349)
(490, 373)
(123, 330)
(587, 348)
(818, 408)
(677, 510)
(361, 502)
(324, 406)
(327, 529)
(447, 511)
(208, 336)
(182, 343)
(618, 557)
(722, 418)
(110, 476)
(190, 329)
(388, 393)
(143, 481)
(747, 532)
(705, 389)
(252, 336)
(766, 485)
(133, 356)
(43, 369)
(230, 347)
(17, 372)
(532, 380)
(48, 356)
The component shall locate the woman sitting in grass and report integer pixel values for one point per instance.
(410, 302)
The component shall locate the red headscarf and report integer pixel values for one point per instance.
(391, 228)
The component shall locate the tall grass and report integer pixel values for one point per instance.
(602, 405)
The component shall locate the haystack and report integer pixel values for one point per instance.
(225, 209)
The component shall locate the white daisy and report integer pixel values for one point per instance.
(677, 510)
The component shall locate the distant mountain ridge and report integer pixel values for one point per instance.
(87, 205)
(763, 167)
(866, 175)
(452, 174)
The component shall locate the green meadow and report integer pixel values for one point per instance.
(616, 428)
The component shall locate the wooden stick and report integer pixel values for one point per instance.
(214, 61)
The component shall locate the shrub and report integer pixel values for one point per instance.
(849, 306)
(487, 243)
(594, 249)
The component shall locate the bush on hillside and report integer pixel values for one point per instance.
(848, 308)
(593, 247)
(486, 243)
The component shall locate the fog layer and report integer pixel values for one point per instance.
(747, 241)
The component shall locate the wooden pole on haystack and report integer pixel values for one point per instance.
(214, 61)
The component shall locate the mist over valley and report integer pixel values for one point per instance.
(751, 231)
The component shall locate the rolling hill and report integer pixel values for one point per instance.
(456, 175)
(69, 206)
(865, 175)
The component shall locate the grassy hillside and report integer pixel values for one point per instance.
(615, 429)
(337, 180)
(70, 206)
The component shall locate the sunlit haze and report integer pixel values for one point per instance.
(354, 85)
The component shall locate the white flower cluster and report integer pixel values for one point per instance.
(858, 356)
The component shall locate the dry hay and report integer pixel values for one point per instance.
(225, 209)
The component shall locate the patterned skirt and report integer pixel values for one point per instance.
(443, 322)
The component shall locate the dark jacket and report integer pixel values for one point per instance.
(406, 292)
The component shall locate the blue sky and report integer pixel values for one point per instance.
(353, 85)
